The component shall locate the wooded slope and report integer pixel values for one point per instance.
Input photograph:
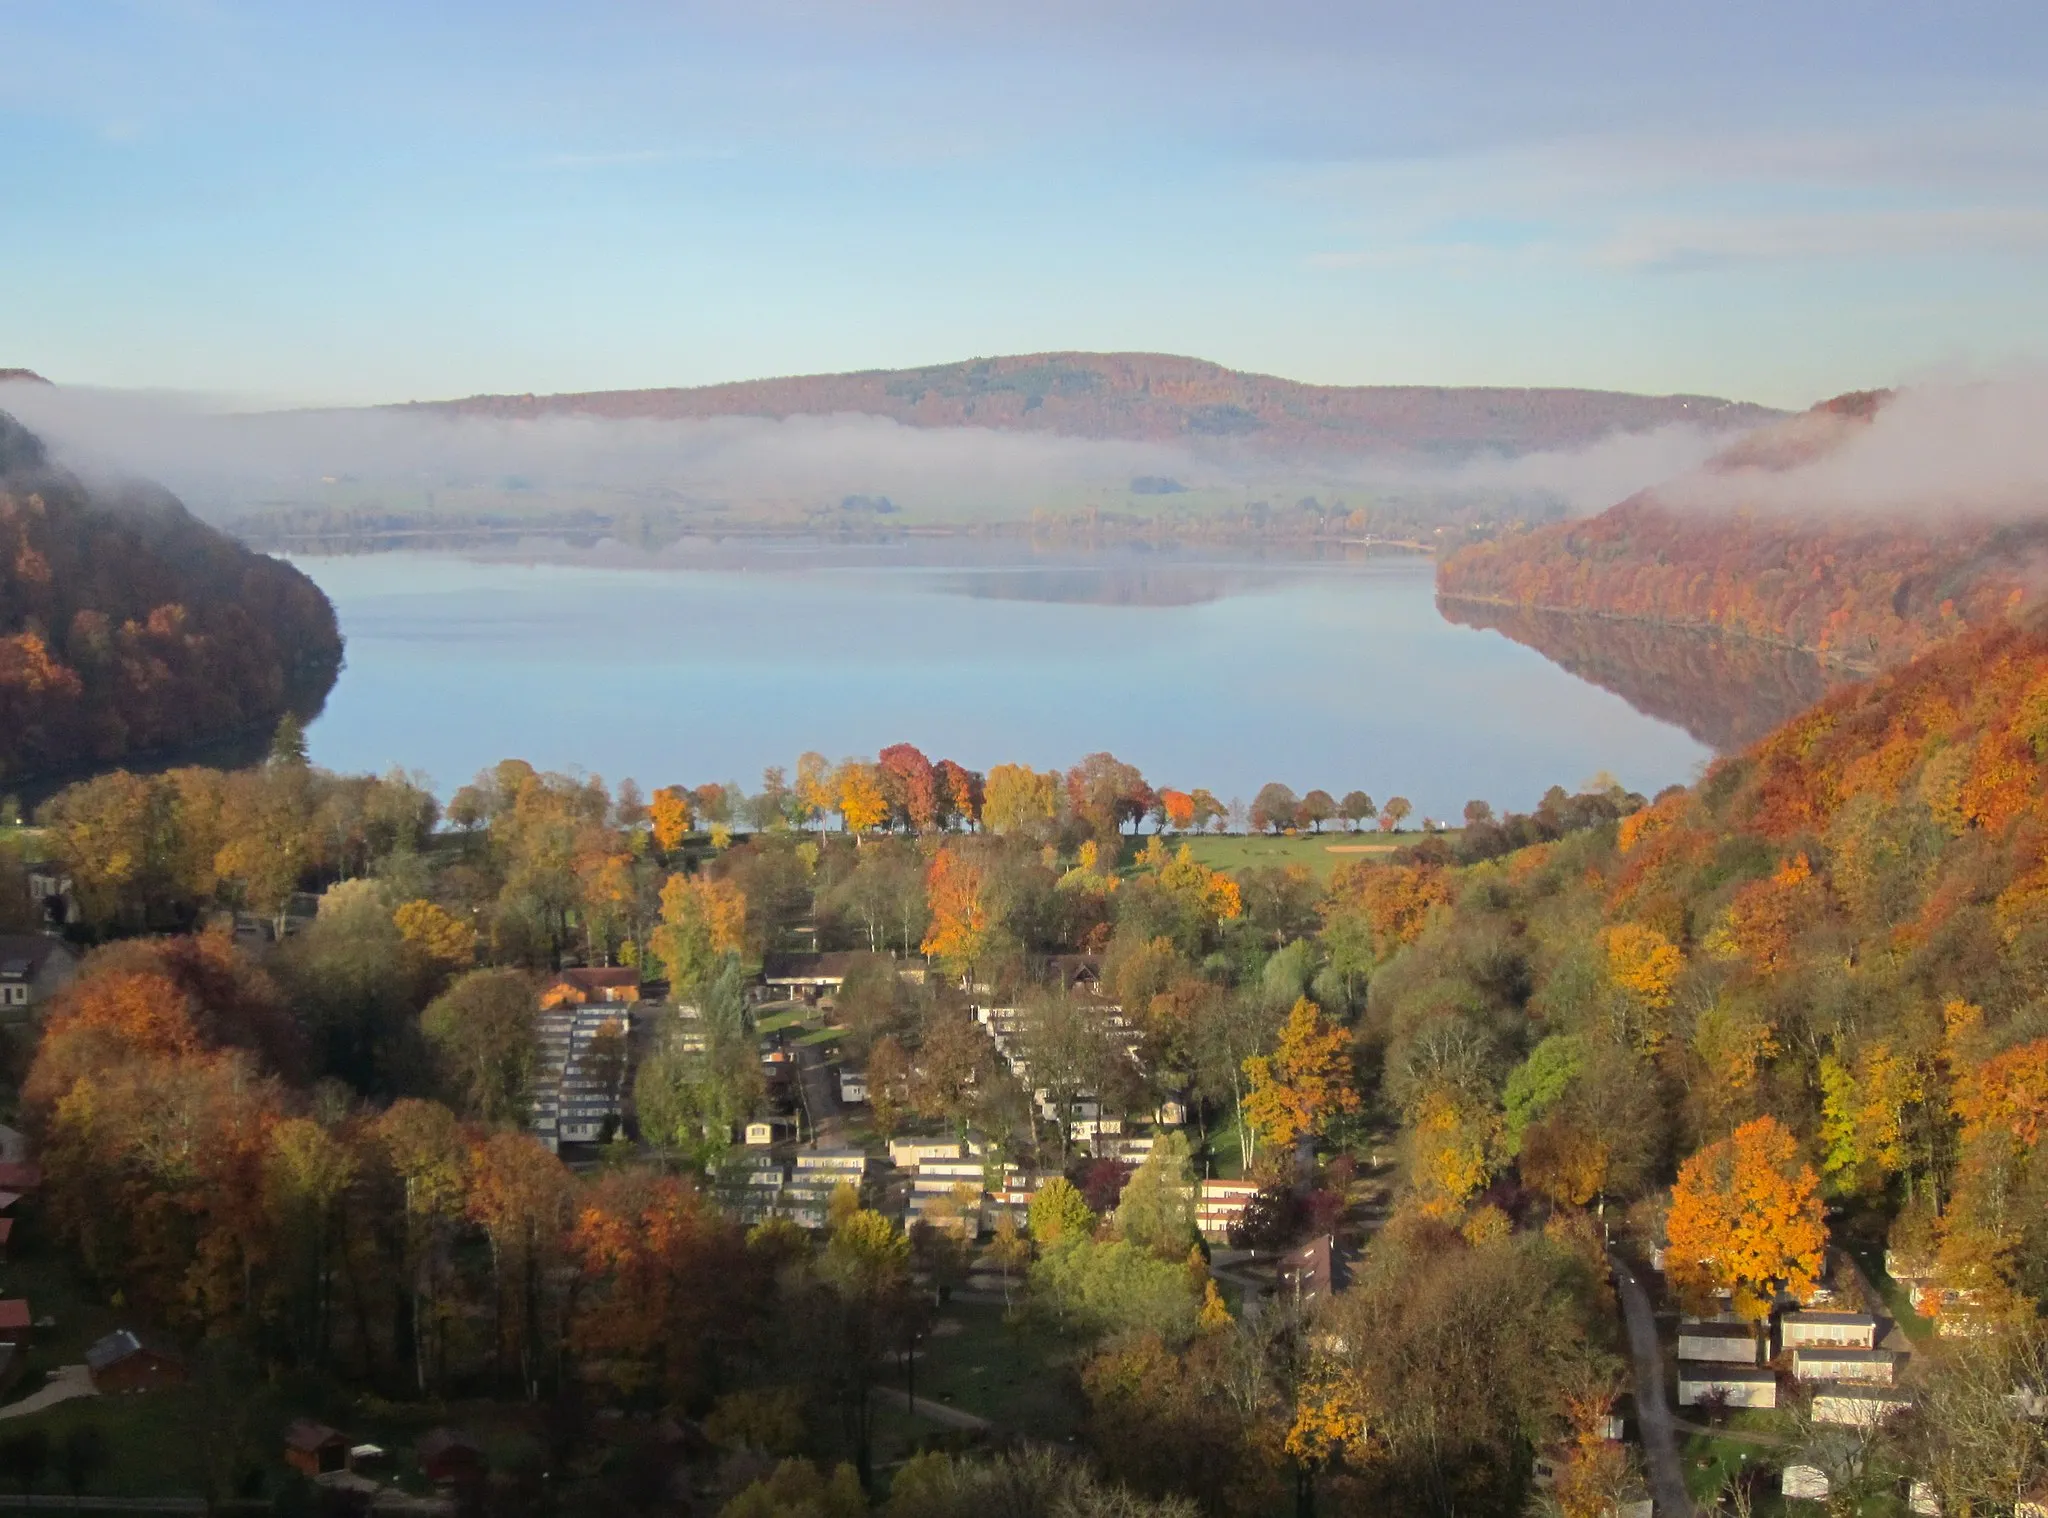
(1157, 397)
(1867, 593)
(128, 627)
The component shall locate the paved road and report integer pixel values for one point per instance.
(1660, 1443)
(821, 1097)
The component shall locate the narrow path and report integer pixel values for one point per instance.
(66, 1382)
(938, 1412)
(1660, 1443)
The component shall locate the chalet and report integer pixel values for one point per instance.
(33, 968)
(1837, 1330)
(598, 986)
(853, 1086)
(1852, 1406)
(1722, 1343)
(1868, 1367)
(1736, 1385)
(764, 1131)
(1808, 1483)
(1220, 1205)
(807, 977)
(585, 1061)
(909, 1153)
(449, 1457)
(126, 1361)
(314, 1448)
(14, 1320)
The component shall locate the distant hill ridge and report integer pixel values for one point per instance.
(1159, 397)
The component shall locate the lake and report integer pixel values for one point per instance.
(1202, 671)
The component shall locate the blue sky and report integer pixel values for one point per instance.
(377, 201)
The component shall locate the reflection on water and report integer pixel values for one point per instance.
(1727, 692)
(1332, 673)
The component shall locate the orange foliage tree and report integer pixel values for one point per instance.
(1304, 1083)
(1746, 1218)
(959, 930)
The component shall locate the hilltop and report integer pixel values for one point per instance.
(1159, 397)
(129, 628)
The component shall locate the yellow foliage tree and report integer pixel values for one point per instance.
(1213, 893)
(668, 811)
(437, 935)
(702, 921)
(862, 806)
(1304, 1083)
(1643, 965)
(1746, 1217)
(1017, 798)
(1453, 1153)
(959, 928)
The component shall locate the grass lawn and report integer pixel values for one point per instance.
(794, 1018)
(1016, 1378)
(822, 1035)
(1320, 852)
(1709, 1462)
(1226, 1159)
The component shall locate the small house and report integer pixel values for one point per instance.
(807, 977)
(1220, 1205)
(14, 1320)
(1853, 1406)
(1312, 1271)
(314, 1448)
(1870, 1367)
(1722, 1343)
(33, 968)
(50, 892)
(449, 1457)
(909, 1153)
(1837, 1330)
(764, 1131)
(126, 1361)
(1807, 1483)
(853, 1086)
(1736, 1385)
(20, 1177)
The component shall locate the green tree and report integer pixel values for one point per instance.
(1157, 1211)
(288, 742)
(1058, 1213)
(483, 1035)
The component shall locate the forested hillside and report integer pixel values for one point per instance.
(1157, 397)
(1842, 932)
(128, 627)
(1866, 592)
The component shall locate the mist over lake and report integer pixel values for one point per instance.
(1201, 671)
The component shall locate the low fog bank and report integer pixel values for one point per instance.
(228, 465)
(1968, 450)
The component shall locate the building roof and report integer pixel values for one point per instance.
(123, 1342)
(1846, 1356)
(14, 1313)
(1831, 1319)
(1711, 1330)
(436, 1442)
(1714, 1370)
(20, 1177)
(305, 1434)
(599, 977)
(23, 955)
(809, 969)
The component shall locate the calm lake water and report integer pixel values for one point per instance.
(1200, 671)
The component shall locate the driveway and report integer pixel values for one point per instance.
(1653, 1413)
(66, 1382)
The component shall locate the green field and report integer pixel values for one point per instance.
(1320, 852)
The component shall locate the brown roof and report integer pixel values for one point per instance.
(441, 1441)
(14, 1313)
(307, 1435)
(600, 977)
(26, 1177)
(810, 967)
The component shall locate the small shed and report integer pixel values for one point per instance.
(1854, 1406)
(126, 1361)
(1837, 1330)
(1737, 1385)
(449, 1457)
(1722, 1343)
(1870, 1367)
(14, 1320)
(853, 1085)
(314, 1448)
(768, 1130)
